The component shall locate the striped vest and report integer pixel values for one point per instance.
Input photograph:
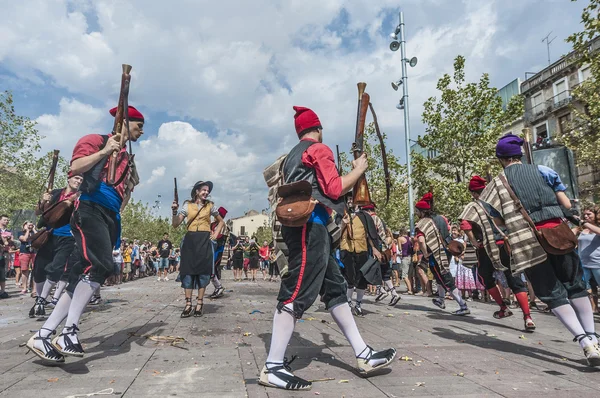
(536, 196)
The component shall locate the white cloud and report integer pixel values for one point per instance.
(74, 120)
(156, 174)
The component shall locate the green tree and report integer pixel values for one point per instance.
(23, 173)
(463, 125)
(584, 134)
(138, 222)
(263, 233)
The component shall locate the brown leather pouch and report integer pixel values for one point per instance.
(295, 203)
(557, 240)
(59, 213)
(455, 248)
(40, 238)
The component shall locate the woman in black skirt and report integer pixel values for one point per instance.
(197, 250)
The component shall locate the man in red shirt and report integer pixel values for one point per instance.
(312, 268)
(96, 226)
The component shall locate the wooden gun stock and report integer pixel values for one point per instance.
(53, 170)
(360, 192)
(118, 126)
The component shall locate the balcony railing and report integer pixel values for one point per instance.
(540, 110)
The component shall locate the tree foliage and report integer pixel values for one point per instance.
(463, 125)
(23, 173)
(138, 222)
(263, 233)
(584, 134)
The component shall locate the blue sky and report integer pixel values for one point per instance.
(217, 80)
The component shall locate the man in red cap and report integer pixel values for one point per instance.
(219, 248)
(96, 226)
(51, 258)
(477, 221)
(312, 268)
(433, 235)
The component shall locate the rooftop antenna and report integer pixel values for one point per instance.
(548, 41)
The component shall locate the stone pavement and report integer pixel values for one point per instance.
(438, 354)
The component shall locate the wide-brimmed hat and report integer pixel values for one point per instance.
(197, 185)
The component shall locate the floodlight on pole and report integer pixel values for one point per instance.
(399, 43)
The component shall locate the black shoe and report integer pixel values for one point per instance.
(70, 348)
(292, 382)
(187, 310)
(40, 310)
(219, 292)
(357, 310)
(394, 300)
(49, 353)
(32, 310)
(198, 311)
(95, 300)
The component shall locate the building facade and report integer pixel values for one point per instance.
(248, 224)
(549, 107)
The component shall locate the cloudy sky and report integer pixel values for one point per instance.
(217, 80)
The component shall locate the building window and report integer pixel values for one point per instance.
(564, 123)
(242, 230)
(537, 103)
(584, 73)
(540, 133)
(561, 90)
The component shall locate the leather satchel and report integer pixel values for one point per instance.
(295, 203)
(455, 248)
(557, 240)
(59, 213)
(40, 238)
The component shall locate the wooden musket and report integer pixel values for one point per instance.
(120, 118)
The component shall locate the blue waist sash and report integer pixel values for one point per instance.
(106, 196)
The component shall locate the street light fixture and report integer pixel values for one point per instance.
(399, 43)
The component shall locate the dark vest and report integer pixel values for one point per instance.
(442, 227)
(370, 228)
(294, 170)
(536, 196)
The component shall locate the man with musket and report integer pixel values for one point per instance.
(312, 268)
(96, 226)
(52, 257)
(533, 207)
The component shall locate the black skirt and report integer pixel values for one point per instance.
(197, 254)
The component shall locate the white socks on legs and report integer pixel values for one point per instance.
(81, 297)
(39, 288)
(216, 282)
(47, 286)
(59, 289)
(283, 328)
(342, 315)
(360, 293)
(457, 296)
(566, 314)
(583, 310)
(441, 292)
(349, 293)
(56, 317)
(390, 287)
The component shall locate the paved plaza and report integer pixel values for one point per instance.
(137, 346)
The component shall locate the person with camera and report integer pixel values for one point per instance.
(52, 257)
(26, 254)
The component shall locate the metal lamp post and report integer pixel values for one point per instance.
(399, 42)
